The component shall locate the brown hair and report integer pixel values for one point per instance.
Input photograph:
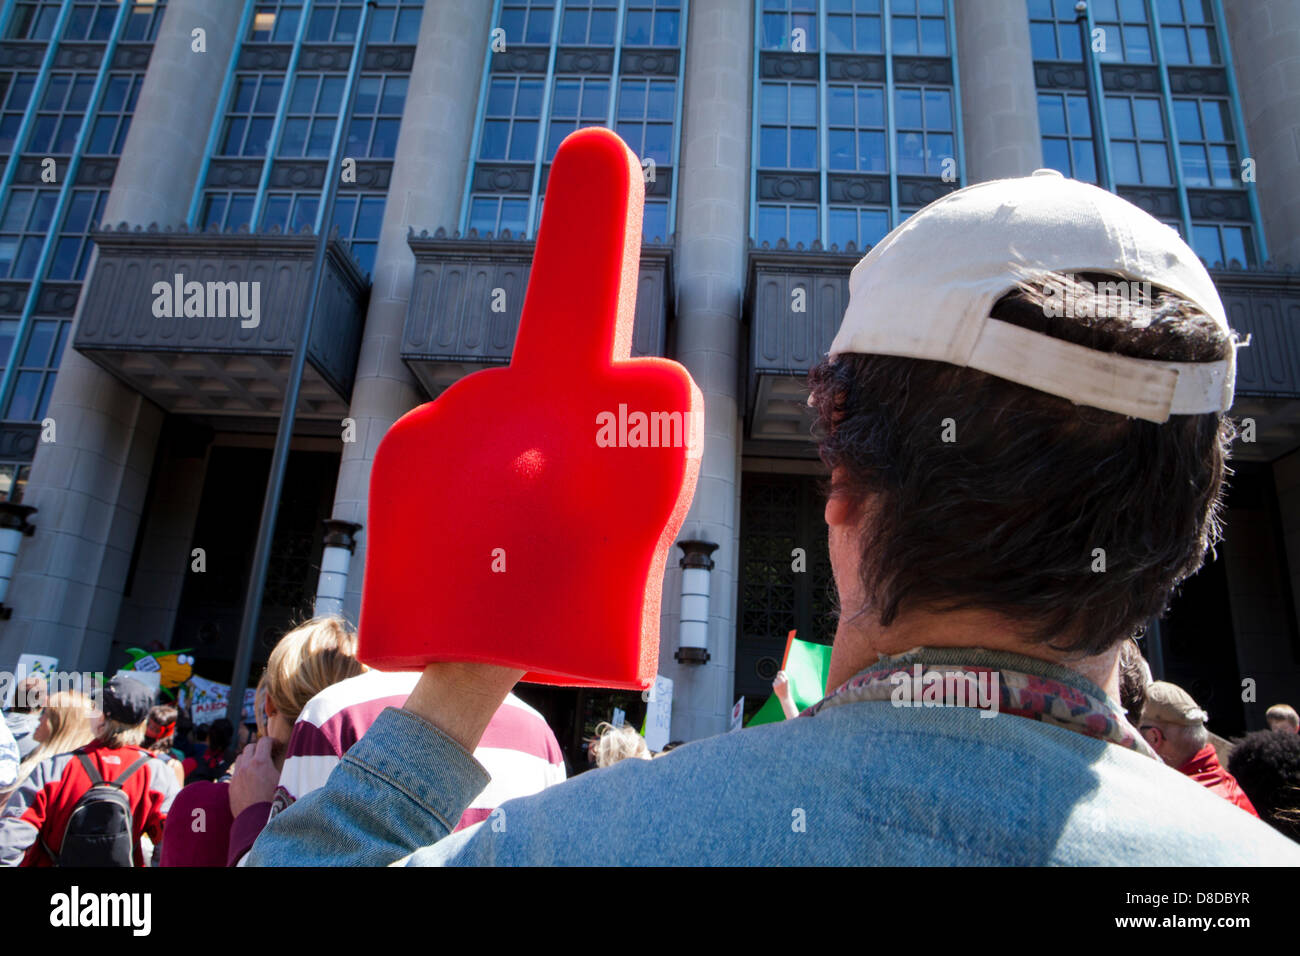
(308, 659)
(1007, 517)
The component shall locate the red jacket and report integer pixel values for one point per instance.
(38, 811)
(1206, 770)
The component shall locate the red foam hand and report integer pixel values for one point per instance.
(524, 517)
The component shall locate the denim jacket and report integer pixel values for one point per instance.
(865, 782)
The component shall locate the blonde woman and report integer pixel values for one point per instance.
(308, 659)
(65, 725)
(613, 744)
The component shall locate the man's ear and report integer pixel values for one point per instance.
(840, 511)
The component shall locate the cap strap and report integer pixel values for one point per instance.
(1140, 388)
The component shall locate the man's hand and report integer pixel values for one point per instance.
(255, 777)
(523, 519)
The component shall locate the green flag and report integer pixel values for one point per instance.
(806, 665)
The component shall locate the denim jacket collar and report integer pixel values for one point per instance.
(1028, 687)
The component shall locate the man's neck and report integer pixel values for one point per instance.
(859, 643)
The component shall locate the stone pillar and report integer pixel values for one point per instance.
(428, 177)
(710, 266)
(999, 101)
(90, 483)
(1265, 40)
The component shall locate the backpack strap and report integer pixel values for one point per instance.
(91, 772)
(144, 759)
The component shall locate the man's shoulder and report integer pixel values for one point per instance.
(357, 693)
(873, 784)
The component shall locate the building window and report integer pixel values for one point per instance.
(652, 23)
(312, 115)
(493, 214)
(13, 481)
(793, 223)
(1125, 36)
(63, 109)
(227, 210)
(33, 21)
(1139, 152)
(861, 226)
(359, 217)
(91, 21)
(396, 22)
(1067, 135)
(290, 212)
(589, 22)
(654, 225)
(1053, 31)
(1205, 143)
(23, 226)
(1220, 244)
(923, 116)
(36, 369)
(514, 108)
(15, 93)
(645, 118)
(782, 17)
(576, 102)
(376, 116)
(113, 119)
(251, 115)
(854, 26)
(918, 27)
(142, 23)
(72, 250)
(788, 130)
(274, 23)
(527, 21)
(1187, 31)
(855, 120)
(333, 21)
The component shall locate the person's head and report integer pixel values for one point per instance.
(67, 723)
(1173, 724)
(29, 695)
(220, 733)
(1000, 460)
(1267, 766)
(618, 743)
(1134, 676)
(201, 733)
(124, 711)
(308, 659)
(1283, 717)
(160, 728)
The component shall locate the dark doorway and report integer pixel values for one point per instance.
(226, 529)
(779, 514)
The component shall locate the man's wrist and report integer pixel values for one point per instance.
(461, 699)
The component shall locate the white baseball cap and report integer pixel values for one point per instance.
(926, 290)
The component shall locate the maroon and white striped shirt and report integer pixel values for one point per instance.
(518, 749)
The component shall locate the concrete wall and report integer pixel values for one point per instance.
(712, 221)
(999, 100)
(1265, 40)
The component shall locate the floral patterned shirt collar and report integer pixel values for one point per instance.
(1025, 686)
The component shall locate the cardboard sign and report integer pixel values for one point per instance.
(737, 715)
(659, 715)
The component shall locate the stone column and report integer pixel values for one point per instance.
(428, 177)
(712, 230)
(999, 100)
(90, 483)
(1265, 40)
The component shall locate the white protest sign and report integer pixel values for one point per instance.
(620, 717)
(30, 665)
(659, 714)
(737, 715)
